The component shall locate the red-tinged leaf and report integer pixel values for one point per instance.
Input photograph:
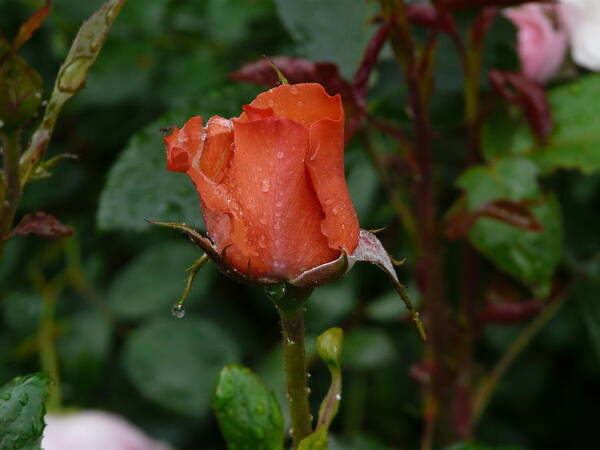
(512, 213)
(42, 224)
(529, 96)
(459, 222)
(30, 25)
(298, 70)
(504, 304)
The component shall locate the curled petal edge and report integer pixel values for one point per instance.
(369, 249)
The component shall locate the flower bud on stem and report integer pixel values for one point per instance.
(289, 302)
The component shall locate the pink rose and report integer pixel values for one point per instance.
(542, 43)
(95, 430)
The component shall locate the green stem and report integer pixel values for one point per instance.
(11, 148)
(488, 386)
(290, 306)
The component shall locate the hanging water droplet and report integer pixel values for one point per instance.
(1, 123)
(72, 77)
(178, 310)
(308, 390)
(338, 396)
(291, 432)
(308, 375)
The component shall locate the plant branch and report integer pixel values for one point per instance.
(289, 301)
(11, 145)
(489, 384)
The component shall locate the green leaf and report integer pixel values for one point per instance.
(22, 412)
(248, 413)
(367, 348)
(83, 349)
(528, 256)
(175, 362)
(511, 178)
(329, 30)
(140, 187)
(135, 293)
(575, 141)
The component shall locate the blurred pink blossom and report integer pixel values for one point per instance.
(582, 18)
(95, 430)
(542, 42)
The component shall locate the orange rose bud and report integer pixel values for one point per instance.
(271, 182)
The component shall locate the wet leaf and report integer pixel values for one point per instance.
(22, 412)
(319, 26)
(175, 363)
(530, 257)
(248, 413)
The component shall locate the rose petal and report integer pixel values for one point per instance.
(304, 103)
(326, 167)
(270, 184)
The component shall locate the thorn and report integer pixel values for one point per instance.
(397, 262)
(376, 230)
(280, 75)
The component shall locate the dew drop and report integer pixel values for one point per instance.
(308, 390)
(300, 103)
(291, 432)
(38, 95)
(72, 77)
(1, 123)
(308, 375)
(338, 397)
(265, 185)
(111, 14)
(262, 242)
(23, 399)
(294, 90)
(334, 211)
(290, 341)
(96, 43)
(279, 204)
(279, 155)
(44, 102)
(178, 310)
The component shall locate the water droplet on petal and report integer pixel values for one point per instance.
(265, 185)
(178, 310)
(294, 90)
(334, 211)
(279, 155)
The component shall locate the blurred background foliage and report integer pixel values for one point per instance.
(114, 282)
